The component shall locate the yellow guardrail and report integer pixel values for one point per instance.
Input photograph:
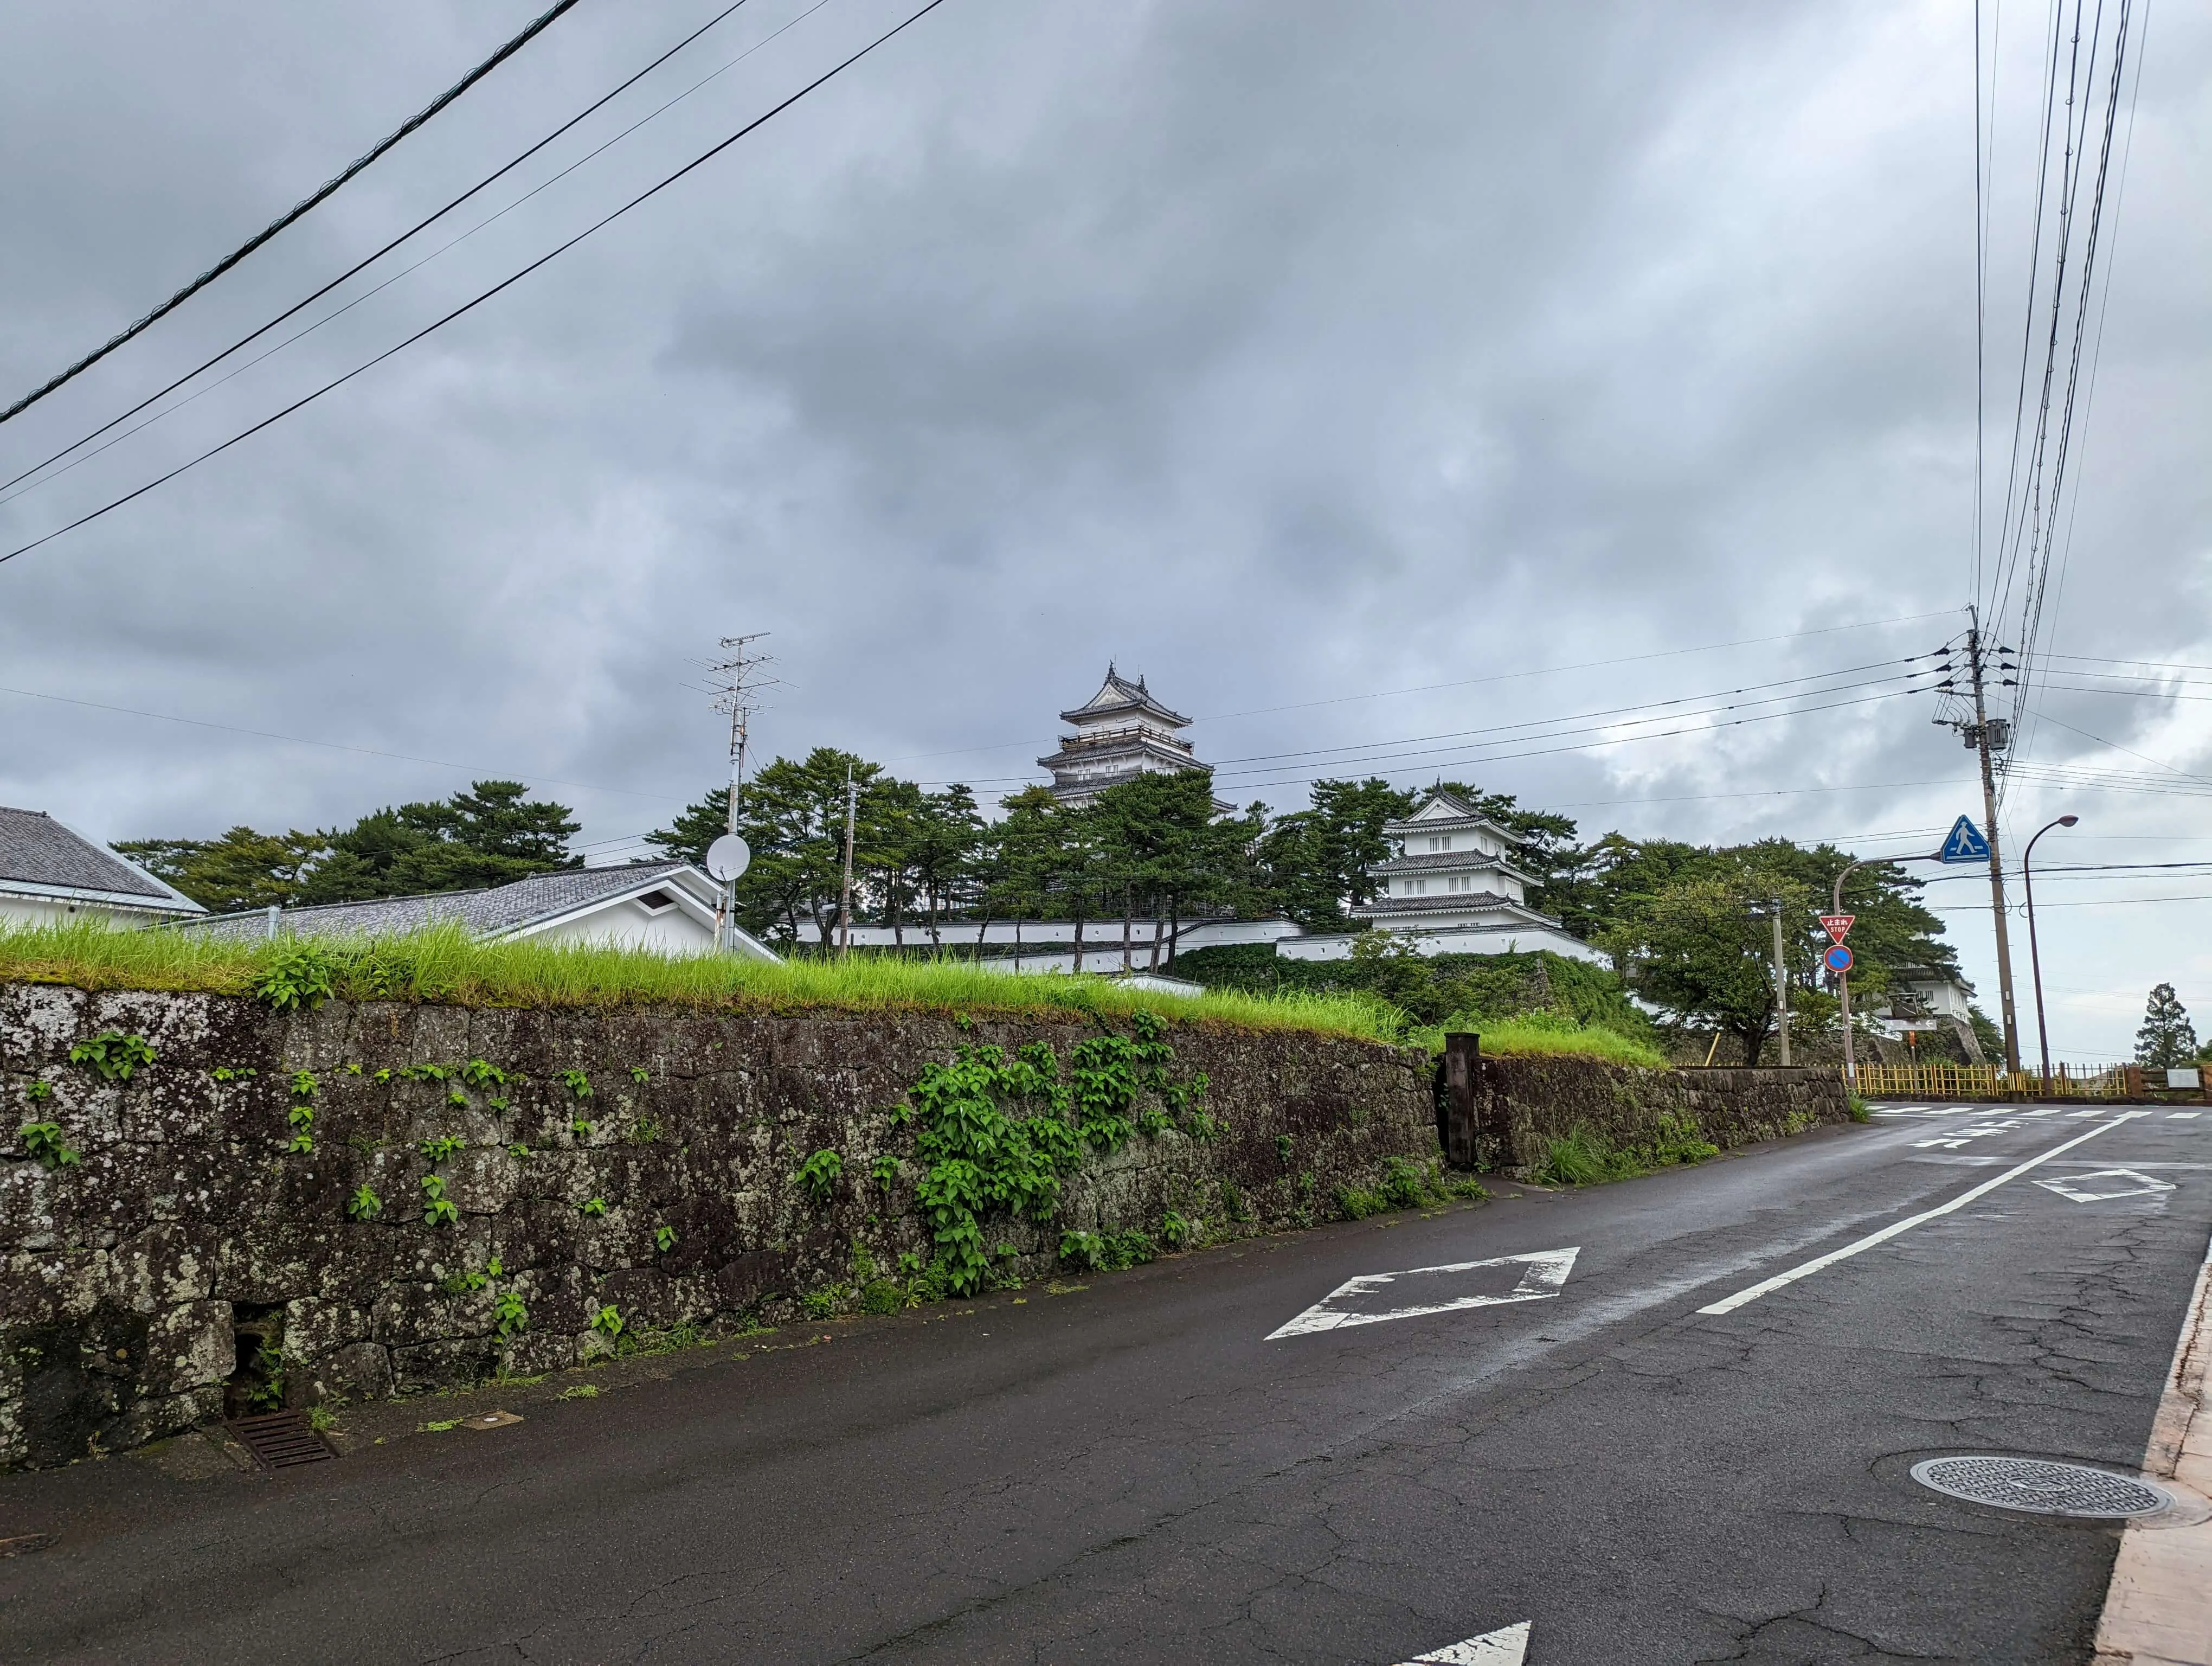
(1983, 1081)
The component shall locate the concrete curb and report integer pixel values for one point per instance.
(2158, 1611)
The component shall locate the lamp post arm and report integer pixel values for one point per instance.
(2034, 953)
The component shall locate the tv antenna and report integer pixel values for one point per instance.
(738, 677)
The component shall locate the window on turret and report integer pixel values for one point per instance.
(1440, 841)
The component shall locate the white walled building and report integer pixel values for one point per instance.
(665, 907)
(51, 874)
(1451, 885)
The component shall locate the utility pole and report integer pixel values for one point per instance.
(1781, 987)
(1988, 737)
(845, 895)
(738, 679)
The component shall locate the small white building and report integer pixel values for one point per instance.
(51, 874)
(1923, 1000)
(1451, 886)
(665, 907)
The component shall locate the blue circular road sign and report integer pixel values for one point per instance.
(1839, 959)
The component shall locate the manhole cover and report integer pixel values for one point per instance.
(2047, 1488)
(280, 1439)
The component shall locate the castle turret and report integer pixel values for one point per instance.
(1121, 733)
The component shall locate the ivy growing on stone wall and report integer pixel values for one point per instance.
(995, 1135)
(115, 1055)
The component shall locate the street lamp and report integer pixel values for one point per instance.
(2034, 959)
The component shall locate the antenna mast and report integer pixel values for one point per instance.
(738, 677)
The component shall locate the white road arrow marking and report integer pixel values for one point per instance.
(1542, 1274)
(2116, 1184)
(1508, 1647)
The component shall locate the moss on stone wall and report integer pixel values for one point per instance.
(1526, 1104)
(368, 1198)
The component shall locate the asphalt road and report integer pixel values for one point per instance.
(1137, 1472)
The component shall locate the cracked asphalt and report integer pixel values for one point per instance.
(1130, 1472)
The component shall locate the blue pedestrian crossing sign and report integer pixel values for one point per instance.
(1965, 843)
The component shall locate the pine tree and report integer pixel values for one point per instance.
(2168, 1039)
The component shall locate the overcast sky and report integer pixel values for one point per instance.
(1291, 355)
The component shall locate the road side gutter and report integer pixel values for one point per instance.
(2159, 1609)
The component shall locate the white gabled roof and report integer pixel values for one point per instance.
(1442, 810)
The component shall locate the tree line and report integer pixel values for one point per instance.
(1689, 926)
(491, 834)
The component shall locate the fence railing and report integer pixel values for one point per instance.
(1986, 1081)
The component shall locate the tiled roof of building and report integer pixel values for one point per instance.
(1463, 814)
(1465, 901)
(36, 849)
(1432, 859)
(1118, 694)
(485, 912)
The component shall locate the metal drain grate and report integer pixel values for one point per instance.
(280, 1439)
(2047, 1488)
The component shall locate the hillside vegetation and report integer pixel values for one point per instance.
(1519, 1004)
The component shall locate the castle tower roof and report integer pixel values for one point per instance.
(1118, 698)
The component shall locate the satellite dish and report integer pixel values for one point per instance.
(728, 857)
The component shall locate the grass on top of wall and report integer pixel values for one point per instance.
(1545, 1034)
(443, 964)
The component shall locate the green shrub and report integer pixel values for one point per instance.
(818, 1175)
(297, 974)
(1575, 1160)
(45, 1142)
(1583, 1158)
(115, 1055)
(1108, 1251)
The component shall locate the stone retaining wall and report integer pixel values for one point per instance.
(1522, 1106)
(141, 1283)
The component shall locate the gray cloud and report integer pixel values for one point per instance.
(1285, 354)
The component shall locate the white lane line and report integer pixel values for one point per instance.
(1508, 1647)
(1541, 1275)
(2183, 1116)
(1730, 1304)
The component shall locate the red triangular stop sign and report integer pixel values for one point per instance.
(1838, 926)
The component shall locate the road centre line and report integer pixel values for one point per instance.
(1730, 1304)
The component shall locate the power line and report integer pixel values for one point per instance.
(1660, 710)
(296, 212)
(1471, 681)
(419, 226)
(471, 305)
(1368, 762)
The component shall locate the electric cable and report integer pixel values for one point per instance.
(1661, 710)
(419, 226)
(1471, 681)
(469, 306)
(297, 212)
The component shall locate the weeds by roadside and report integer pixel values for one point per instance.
(1583, 1157)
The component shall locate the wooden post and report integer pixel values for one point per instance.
(1463, 1062)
